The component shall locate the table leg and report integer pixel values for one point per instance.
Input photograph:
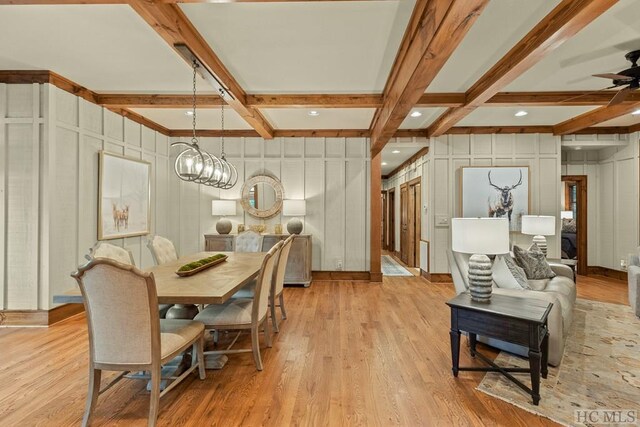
(534, 365)
(455, 351)
(545, 355)
(473, 339)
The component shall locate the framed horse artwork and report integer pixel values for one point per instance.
(124, 199)
(495, 192)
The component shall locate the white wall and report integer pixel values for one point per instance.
(331, 174)
(612, 196)
(49, 140)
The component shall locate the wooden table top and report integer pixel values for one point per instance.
(529, 309)
(214, 285)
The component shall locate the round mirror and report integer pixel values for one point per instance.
(262, 196)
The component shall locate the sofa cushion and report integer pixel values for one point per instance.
(538, 284)
(533, 262)
(506, 274)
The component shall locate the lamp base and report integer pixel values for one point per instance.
(541, 242)
(480, 278)
(223, 226)
(294, 226)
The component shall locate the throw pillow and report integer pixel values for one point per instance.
(569, 226)
(506, 274)
(533, 262)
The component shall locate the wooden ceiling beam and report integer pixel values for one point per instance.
(157, 100)
(315, 101)
(594, 117)
(172, 25)
(89, 2)
(442, 24)
(562, 23)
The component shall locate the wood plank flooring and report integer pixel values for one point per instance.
(350, 353)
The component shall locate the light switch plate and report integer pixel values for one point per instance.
(442, 221)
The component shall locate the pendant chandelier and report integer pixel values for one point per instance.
(194, 164)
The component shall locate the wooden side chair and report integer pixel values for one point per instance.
(245, 314)
(126, 333)
(249, 241)
(277, 286)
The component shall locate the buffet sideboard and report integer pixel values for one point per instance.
(299, 265)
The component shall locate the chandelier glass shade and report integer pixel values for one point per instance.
(194, 164)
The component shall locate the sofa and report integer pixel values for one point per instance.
(560, 290)
(633, 277)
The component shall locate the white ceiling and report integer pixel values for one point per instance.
(598, 48)
(626, 120)
(328, 118)
(104, 48)
(504, 116)
(308, 47)
(500, 26)
(406, 150)
(206, 118)
(428, 116)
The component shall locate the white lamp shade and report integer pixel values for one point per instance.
(294, 207)
(566, 214)
(223, 207)
(538, 225)
(487, 236)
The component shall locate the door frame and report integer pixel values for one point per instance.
(391, 220)
(581, 221)
(414, 224)
(385, 219)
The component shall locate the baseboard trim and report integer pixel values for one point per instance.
(607, 272)
(42, 318)
(342, 275)
(436, 277)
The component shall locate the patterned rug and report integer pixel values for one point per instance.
(600, 369)
(391, 268)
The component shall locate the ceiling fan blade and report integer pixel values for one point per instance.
(612, 76)
(620, 96)
(588, 93)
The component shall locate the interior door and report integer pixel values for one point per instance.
(383, 237)
(417, 197)
(411, 230)
(391, 197)
(404, 224)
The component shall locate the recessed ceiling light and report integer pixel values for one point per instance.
(395, 151)
(416, 114)
(578, 148)
(521, 113)
(636, 113)
(188, 113)
(384, 163)
(314, 113)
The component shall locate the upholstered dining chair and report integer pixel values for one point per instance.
(249, 241)
(277, 286)
(126, 333)
(109, 251)
(163, 251)
(239, 314)
(122, 255)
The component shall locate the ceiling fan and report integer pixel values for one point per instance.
(629, 79)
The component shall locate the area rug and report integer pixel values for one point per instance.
(391, 268)
(600, 369)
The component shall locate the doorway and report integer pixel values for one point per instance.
(410, 226)
(389, 221)
(574, 222)
(385, 219)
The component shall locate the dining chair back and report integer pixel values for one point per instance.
(162, 250)
(263, 283)
(113, 252)
(249, 241)
(125, 331)
(277, 287)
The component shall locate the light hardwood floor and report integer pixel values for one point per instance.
(349, 354)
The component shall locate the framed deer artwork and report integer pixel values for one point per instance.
(495, 192)
(124, 197)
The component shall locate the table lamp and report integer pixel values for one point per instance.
(294, 208)
(222, 208)
(539, 226)
(566, 214)
(480, 237)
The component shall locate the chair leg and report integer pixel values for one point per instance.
(267, 332)
(274, 318)
(199, 349)
(284, 312)
(94, 390)
(255, 346)
(154, 405)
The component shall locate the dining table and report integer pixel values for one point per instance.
(214, 285)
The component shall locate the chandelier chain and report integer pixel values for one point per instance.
(222, 123)
(193, 119)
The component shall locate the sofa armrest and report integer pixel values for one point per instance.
(563, 270)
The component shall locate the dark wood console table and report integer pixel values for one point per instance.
(515, 320)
